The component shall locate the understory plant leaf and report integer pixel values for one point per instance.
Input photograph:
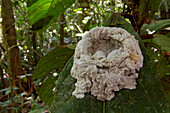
(55, 59)
(163, 68)
(40, 110)
(64, 86)
(64, 101)
(47, 95)
(148, 97)
(162, 41)
(43, 12)
(155, 26)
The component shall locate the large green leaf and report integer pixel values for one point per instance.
(162, 41)
(46, 92)
(155, 26)
(30, 2)
(43, 12)
(163, 68)
(148, 97)
(87, 105)
(64, 101)
(55, 59)
(64, 86)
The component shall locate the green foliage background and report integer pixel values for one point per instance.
(147, 97)
(42, 25)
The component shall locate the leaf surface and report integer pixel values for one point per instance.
(162, 41)
(148, 97)
(55, 59)
(155, 26)
(43, 12)
(64, 101)
(46, 92)
(163, 68)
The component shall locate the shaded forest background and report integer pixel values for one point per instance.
(35, 32)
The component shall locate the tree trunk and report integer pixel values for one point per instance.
(9, 35)
(1, 69)
(10, 43)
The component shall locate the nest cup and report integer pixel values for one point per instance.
(105, 61)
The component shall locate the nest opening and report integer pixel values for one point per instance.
(105, 61)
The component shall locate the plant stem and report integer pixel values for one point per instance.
(12, 93)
